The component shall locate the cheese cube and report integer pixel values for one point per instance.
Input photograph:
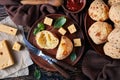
(77, 42)
(16, 46)
(48, 21)
(72, 29)
(8, 29)
(62, 31)
(6, 59)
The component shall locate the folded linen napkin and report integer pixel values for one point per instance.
(100, 67)
(21, 58)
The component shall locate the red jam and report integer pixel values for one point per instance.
(74, 5)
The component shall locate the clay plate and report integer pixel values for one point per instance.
(78, 50)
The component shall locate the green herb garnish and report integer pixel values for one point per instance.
(60, 22)
(37, 74)
(73, 56)
(36, 30)
(39, 28)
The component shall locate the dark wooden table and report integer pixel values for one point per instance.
(45, 75)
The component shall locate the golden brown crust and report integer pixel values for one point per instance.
(65, 48)
(114, 37)
(114, 13)
(98, 10)
(99, 32)
(111, 50)
(111, 2)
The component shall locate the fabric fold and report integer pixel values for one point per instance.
(22, 58)
(99, 67)
(26, 15)
(9, 2)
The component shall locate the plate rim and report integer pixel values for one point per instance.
(88, 38)
(83, 37)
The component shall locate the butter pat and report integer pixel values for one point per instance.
(62, 31)
(72, 29)
(5, 55)
(8, 29)
(77, 42)
(48, 21)
(16, 46)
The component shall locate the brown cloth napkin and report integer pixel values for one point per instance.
(99, 67)
(26, 15)
(9, 2)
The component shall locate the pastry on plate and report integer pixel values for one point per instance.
(65, 48)
(99, 32)
(117, 25)
(114, 37)
(46, 40)
(114, 13)
(111, 51)
(111, 2)
(98, 10)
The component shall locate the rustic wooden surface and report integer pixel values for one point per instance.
(45, 75)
